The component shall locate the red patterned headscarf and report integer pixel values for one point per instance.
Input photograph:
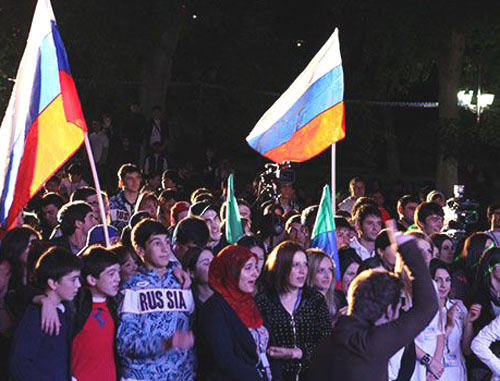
(224, 277)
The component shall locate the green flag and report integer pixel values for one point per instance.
(234, 230)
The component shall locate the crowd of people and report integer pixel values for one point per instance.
(170, 299)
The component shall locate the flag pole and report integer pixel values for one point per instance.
(334, 166)
(98, 189)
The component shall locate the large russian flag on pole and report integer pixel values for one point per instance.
(309, 116)
(43, 125)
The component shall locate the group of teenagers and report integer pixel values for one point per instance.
(170, 299)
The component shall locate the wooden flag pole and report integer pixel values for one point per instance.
(334, 167)
(98, 190)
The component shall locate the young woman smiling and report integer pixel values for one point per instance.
(297, 315)
(321, 276)
(458, 324)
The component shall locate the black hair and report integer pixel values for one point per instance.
(308, 216)
(489, 260)
(437, 264)
(347, 256)
(75, 169)
(192, 229)
(406, 199)
(144, 230)
(70, 213)
(362, 201)
(81, 194)
(52, 198)
(172, 175)
(369, 263)
(439, 238)
(249, 241)
(427, 209)
(14, 244)
(125, 169)
(168, 194)
(191, 257)
(474, 247)
(96, 259)
(491, 209)
(366, 210)
(382, 241)
(341, 222)
(293, 219)
(54, 264)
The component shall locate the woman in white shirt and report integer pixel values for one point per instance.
(457, 324)
(481, 347)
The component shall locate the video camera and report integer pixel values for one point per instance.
(273, 175)
(461, 215)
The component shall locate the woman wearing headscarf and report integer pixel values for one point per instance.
(232, 330)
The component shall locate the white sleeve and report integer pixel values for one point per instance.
(481, 345)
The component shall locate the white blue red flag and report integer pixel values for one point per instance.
(309, 115)
(43, 125)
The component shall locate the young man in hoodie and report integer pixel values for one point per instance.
(154, 338)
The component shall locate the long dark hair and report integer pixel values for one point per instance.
(13, 246)
(486, 266)
(474, 247)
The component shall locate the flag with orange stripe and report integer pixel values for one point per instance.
(309, 115)
(43, 125)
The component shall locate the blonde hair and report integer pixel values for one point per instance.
(314, 258)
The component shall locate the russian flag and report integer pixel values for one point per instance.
(309, 116)
(43, 125)
(323, 236)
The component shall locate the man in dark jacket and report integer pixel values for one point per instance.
(362, 342)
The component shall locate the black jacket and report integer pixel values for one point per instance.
(37, 356)
(360, 350)
(230, 348)
(312, 323)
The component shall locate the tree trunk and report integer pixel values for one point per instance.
(157, 70)
(449, 71)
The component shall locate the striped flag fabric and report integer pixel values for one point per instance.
(323, 236)
(43, 125)
(309, 115)
(234, 230)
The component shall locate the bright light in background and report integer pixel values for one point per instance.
(483, 101)
(195, 16)
(299, 43)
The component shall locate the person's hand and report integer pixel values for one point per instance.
(343, 310)
(284, 353)
(50, 318)
(474, 313)
(435, 367)
(183, 277)
(451, 317)
(430, 377)
(180, 340)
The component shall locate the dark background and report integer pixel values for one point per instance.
(223, 63)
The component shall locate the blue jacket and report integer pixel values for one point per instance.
(120, 210)
(141, 336)
(37, 356)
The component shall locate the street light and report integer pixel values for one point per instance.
(483, 101)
